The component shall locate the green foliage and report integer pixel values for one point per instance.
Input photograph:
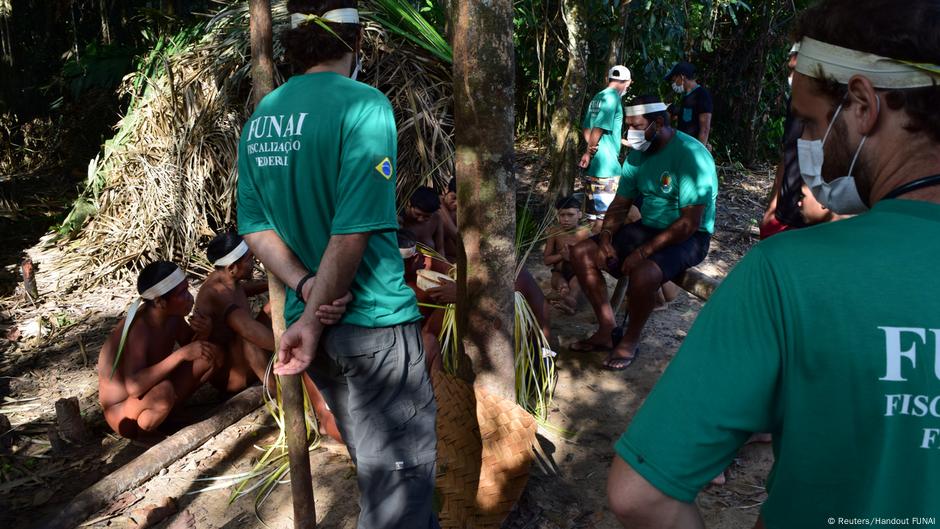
(98, 66)
(738, 47)
(403, 20)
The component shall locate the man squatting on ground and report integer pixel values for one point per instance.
(827, 337)
(602, 129)
(326, 206)
(676, 178)
(248, 341)
(142, 379)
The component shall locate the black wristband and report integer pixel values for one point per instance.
(299, 289)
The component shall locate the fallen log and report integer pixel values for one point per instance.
(153, 460)
(695, 282)
(692, 281)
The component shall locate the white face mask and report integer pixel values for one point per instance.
(678, 88)
(841, 195)
(637, 139)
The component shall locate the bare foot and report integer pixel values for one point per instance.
(563, 307)
(185, 520)
(150, 515)
(719, 480)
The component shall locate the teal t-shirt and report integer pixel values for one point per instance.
(316, 159)
(680, 175)
(829, 338)
(606, 113)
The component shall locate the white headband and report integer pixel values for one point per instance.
(411, 251)
(165, 285)
(649, 108)
(348, 15)
(232, 256)
(819, 58)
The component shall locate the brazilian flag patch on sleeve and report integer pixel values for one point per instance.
(385, 168)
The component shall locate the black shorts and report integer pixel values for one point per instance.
(672, 260)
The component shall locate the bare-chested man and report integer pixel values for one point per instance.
(421, 219)
(140, 383)
(246, 340)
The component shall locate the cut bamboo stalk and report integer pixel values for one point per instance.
(292, 392)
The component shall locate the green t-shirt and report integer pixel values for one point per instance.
(606, 113)
(829, 338)
(316, 159)
(682, 174)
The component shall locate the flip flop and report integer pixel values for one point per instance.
(585, 346)
(619, 363)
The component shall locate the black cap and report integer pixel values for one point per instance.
(681, 68)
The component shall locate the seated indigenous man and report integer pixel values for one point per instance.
(153, 360)
(828, 336)
(420, 218)
(675, 176)
(247, 342)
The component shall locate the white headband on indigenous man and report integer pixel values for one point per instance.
(347, 15)
(648, 108)
(821, 59)
(232, 256)
(165, 285)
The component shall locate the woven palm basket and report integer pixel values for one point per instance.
(484, 449)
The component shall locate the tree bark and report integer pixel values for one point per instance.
(484, 121)
(262, 49)
(615, 53)
(565, 134)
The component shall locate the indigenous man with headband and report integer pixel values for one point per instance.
(828, 337)
(141, 378)
(316, 195)
(675, 177)
(603, 127)
(247, 341)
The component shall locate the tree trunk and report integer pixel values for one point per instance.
(615, 53)
(484, 120)
(565, 134)
(262, 50)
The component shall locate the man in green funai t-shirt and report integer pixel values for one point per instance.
(671, 177)
(827, 337)
(316, 195)
(602, 127)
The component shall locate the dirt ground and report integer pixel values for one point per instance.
(48, 350)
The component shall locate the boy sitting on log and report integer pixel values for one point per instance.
(142, 374)
(247, 341)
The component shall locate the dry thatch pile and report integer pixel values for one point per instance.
(166, 181)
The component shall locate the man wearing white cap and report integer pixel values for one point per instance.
(672, 177)
(827, 337)
(316, 204)
(602, 129)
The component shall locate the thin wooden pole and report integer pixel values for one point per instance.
(292, 392)
(301, 482)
